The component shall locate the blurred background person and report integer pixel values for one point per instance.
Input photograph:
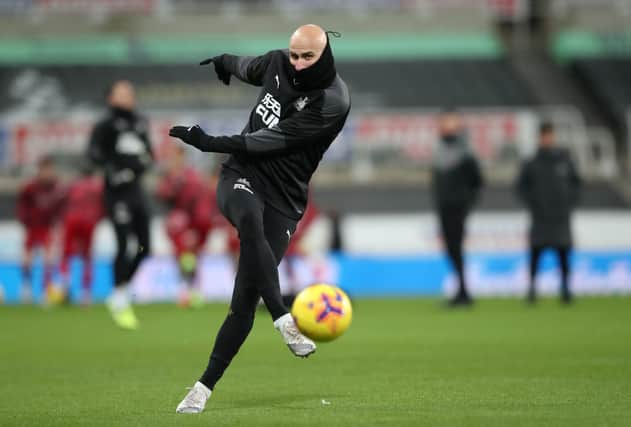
(120, 145)
(336, 241)
(39, 206)
(83, 209)
(549, 186)
(191, 201)
(456, 184)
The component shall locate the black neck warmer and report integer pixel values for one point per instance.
(318, 76)
(121, 112)
(452, 138)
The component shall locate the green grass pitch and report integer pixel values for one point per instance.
(403, 362)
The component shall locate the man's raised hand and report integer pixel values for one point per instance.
(191, 135)
(222, 73)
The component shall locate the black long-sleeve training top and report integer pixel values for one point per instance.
(550, 186)
(119, 143)
(287, 133)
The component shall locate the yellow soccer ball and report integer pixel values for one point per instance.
(322, 312)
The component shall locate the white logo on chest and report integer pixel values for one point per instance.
(269, 110)
(301, 103)
(129, 143)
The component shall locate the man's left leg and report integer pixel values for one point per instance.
(453, 222)
(278, 230)
(118, 302)
(140, 228)
(535, 254)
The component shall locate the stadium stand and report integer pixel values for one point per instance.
(449, 52)
(607, 80)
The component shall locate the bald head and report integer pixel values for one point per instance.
(306, 46)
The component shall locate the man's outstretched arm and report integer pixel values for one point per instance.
(248, 69)
(303, 128)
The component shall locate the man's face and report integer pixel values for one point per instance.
(450, 124)
(123, 96)
(546, 139)
(302, 55)
(46, 173)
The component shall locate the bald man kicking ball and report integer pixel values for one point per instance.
(262, 190)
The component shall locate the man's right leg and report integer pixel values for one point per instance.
(535, 254)
(119, 302)
(120, 216)
(278, 232)
(233, 332)
(244, 210)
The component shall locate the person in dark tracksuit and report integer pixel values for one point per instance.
(119, 144)
(263, 187)
(456, 184)
(549, 186)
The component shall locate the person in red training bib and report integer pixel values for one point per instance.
(191, 203)
(38, 209)
(83, 209)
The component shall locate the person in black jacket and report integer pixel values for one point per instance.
(262, 190)
(119, 144)
(549, 186)
(456, 184)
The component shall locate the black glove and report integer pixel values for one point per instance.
(196, 137)
(191, 135)
(222, 73)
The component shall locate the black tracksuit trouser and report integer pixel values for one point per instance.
(264, 235)
(452, 223)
